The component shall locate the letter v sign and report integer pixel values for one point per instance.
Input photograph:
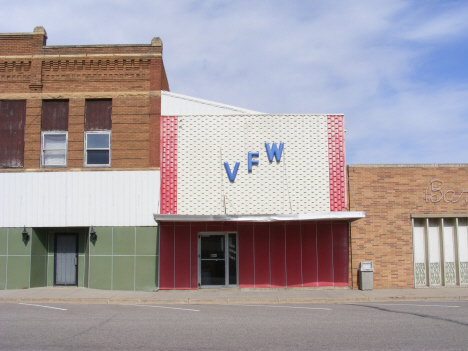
(231, 176)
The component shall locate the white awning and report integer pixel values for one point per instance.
(345, 216)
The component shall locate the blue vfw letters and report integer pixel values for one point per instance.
(272, 152)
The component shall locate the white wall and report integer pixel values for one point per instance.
(177, 105)
(99, 198)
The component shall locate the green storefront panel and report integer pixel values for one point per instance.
(100, 272)
(123, 273)
(146, 278)
(18, 272)
(123, 241)
(146, 240)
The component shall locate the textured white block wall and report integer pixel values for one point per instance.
(299, 183)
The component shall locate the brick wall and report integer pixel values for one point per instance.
(389, 195)
(131, 75)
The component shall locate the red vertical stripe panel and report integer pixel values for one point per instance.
(169, 165)
(293, 255)
(166, 256)
(277, 255)
(182, 257)
(309, 253)
(246, 256)
(325, 254)
(340, 253)
(262, 255)
(336, 162)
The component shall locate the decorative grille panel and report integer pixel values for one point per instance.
(435, 273)
(450, 275)
(464, 272)
(420, 273)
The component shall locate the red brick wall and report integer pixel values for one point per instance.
(390, 195)
(131, 75)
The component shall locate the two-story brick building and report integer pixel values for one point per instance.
(79, 152)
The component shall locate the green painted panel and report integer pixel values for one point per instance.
(124, 241)
(50, 260)
(146, 240)
(3, 261)
(86, 271)
(82, 258)
(18, 272)
(51, 243)
(103, 244)
(82, 241)
(39, 241)
(50, 270)
(81, 269)
(146, 273)
(3, 241)
(100, 272)
(38, 271)
(123, 277)
(16, 245)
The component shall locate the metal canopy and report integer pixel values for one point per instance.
(347, 216)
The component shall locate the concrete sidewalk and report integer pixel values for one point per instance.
(228, 296)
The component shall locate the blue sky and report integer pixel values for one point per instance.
(396, 69)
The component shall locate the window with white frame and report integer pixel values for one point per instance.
(54, 149)
(97, 148)
(54, 133)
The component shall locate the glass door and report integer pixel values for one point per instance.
(217, 259)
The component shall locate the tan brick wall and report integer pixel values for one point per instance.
(131, 75)
(390, 195)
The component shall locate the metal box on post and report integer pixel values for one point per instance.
(366, 276)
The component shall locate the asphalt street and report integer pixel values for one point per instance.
(368, 326)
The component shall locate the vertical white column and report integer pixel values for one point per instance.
(419, 249)
(450, 275)
(434, 252)
(463, 249)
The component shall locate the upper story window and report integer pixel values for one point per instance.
(54, 136)
(97, 150)
(12, 120)
(98, 126)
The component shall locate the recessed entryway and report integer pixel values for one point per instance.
(217, 259)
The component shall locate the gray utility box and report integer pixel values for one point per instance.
(366, 276)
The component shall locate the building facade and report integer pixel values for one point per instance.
(253, 201)
(110, 181)
(415, 230)
(79, 154)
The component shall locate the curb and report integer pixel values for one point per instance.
(234, 301)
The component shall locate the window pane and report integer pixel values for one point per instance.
(54, 158)
(55, 141)
(98, 157)
(97, 141)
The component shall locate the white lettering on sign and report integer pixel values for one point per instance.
(434, 193)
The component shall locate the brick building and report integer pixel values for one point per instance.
(79, 153)
(415, 230)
